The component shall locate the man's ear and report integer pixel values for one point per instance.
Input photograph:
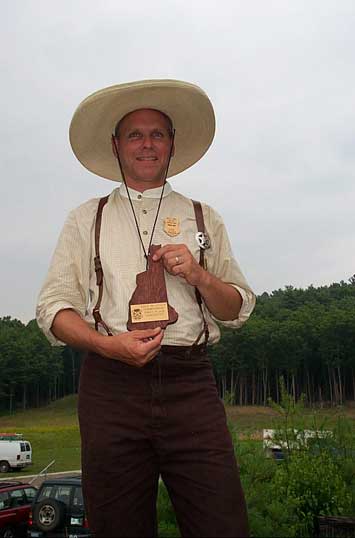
(114, 145)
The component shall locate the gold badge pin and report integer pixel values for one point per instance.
(172, 226)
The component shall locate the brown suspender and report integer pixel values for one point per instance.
(200, 228)
(98, 268)
(100, 274)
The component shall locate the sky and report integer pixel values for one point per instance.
(281, 77)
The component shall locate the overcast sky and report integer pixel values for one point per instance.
(281, 76)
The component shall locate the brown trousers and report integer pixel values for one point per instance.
(167, 420)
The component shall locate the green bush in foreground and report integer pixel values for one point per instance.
(318, 475)
(316, 478)
(269, 513)
(314, 485)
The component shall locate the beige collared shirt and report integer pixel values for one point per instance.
(71, 279)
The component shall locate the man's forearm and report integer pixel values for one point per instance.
(222, 300)
(71, 329)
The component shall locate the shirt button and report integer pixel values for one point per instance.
(145, 232)
(145, 211)
(139, 196)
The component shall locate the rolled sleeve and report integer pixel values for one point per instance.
(246, 309)
(67, 282)
(45, 318)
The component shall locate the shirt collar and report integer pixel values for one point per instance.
(149, 193)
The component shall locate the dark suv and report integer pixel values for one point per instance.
(58, 510)
(15, 505)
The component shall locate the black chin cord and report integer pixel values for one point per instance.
(160, 199)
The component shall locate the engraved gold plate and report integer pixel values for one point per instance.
(172, 226)
(149, 312)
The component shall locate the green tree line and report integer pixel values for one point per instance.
(305, 336)
(32, 372)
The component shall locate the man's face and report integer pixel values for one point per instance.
(143, 143)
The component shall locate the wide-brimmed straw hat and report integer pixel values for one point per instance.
(94, 121)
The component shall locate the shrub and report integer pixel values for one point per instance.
(318, 474)
(269, 514)
(314, 486)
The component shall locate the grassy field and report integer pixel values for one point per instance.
(54, 434)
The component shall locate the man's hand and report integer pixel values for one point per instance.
(135, 348)
(179, 261)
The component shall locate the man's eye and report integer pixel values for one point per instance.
(134, 135)
(157, 134)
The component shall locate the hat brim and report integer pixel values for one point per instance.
(94, 121)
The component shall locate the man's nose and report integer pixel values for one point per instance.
(147, 141)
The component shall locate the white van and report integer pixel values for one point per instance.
(15, 452)
(298, 439)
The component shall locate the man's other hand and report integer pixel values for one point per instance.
(179, 261)
(135, 348)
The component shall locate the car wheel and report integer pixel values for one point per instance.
(49, 514)
(4, 467)
(8, 532)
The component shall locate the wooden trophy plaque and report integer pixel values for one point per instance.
(149, 307)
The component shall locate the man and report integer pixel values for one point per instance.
(148, 404)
